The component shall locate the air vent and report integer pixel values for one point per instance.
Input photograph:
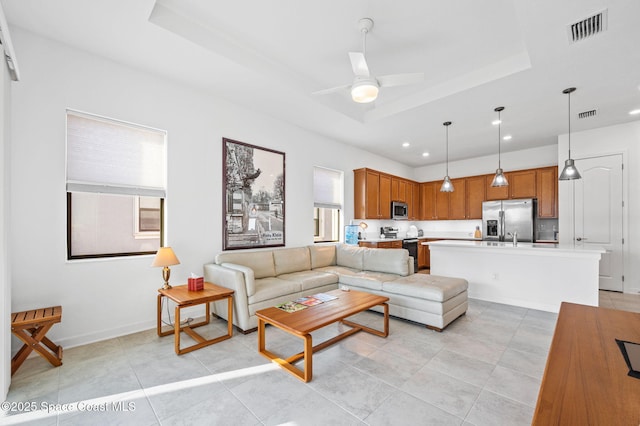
(587, 114)
(594, 24)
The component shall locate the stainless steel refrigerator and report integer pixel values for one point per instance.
(500, 219)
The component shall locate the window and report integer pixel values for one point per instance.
(327, 194)
(115, 187)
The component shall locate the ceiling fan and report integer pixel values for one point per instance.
(365, 86)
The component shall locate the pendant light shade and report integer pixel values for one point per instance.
(499, 179)
(570, 172)
(447, 186)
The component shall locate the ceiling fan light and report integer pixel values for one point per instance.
(499, 179)
(447, 186)
(364, 91)
(570, 172)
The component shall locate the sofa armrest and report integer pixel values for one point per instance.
(234, 280)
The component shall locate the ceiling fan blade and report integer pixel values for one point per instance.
(359, 64)
(400, 79)
(332, 90)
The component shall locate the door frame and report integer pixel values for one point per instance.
(566, 201)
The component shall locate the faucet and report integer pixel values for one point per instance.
(515, 237)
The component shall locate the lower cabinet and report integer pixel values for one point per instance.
(395, 244)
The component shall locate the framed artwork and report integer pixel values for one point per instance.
(253, 196)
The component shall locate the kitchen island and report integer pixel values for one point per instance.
(530, 275)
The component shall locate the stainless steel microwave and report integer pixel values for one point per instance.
(399, 210)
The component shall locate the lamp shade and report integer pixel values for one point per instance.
(570, 172)
(447, 186)
(165, 257)
(499, 179)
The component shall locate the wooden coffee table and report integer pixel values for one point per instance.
(302, 323)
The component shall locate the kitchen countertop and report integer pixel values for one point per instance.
(543, 249)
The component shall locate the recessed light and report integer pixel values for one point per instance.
(507, 138)
(496, 122)
(634, 112)
(406, 144)
(425, 154)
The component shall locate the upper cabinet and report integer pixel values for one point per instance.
(522, 184)
(458, 199)
(496, 192)
(371, 194)
(474, 196)
(374, 192)
(547, 192)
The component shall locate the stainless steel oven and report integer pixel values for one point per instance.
(411, 244)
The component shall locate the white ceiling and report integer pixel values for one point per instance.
(475, 54)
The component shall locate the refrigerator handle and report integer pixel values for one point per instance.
(501, 225)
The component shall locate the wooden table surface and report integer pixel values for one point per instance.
(182, 296)
(315, 317)
(585, 381)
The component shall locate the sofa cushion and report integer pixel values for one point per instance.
(272, 287)
(322, 255)
(311, 279)
(260, 261)
(386, 260)
(430, 287)
(291, 260)
(350, 256)
(366, 279)
(338, 270)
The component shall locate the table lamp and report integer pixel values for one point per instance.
(165, 257)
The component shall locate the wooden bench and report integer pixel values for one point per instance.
(31, 327)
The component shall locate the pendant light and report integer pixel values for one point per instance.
(569, 172)
(447, 186)
(499, 179)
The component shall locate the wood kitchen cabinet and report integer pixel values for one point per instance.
(372, 194)
(474, 196)
(428, 200)
(442, 202)
(398, 189)
(413, 200)
(457, 200)
(395, 244)
(423, 254)
(498, 192)
(522, 184)
(547, 192)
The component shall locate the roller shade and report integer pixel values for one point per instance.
(327, 188)
(108, 156)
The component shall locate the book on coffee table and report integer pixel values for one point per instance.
(291, 307)
(308, 301)
(323, 297)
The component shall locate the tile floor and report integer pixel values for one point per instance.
(485, 369)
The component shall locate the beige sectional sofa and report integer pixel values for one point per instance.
(269, 277)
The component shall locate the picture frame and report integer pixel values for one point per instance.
(253, 196)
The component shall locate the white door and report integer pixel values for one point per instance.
(598, 214)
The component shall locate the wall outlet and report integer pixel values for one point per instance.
(494, 276)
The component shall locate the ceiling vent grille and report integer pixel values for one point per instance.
(587, 114)
(594, 24)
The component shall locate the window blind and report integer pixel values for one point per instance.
(108, 156)
(327, 188)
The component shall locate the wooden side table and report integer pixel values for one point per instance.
(185, 298)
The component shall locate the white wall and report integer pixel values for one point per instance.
(112, 297)
(5, 277)
(621, 139)
(515, 160)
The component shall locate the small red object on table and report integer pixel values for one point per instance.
(195, 284)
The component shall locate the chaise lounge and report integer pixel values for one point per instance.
(267, 278)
